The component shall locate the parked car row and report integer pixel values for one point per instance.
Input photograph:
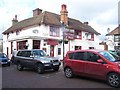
(99, 64)
(4, 60)
(93, 63)
(36, 59)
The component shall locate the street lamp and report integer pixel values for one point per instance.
(63, 28)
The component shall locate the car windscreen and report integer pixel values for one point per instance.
(39, 53)
(2, 55)
(108, 56)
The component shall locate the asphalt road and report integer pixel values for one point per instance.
(11, 78)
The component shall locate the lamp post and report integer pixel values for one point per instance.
(63, 27)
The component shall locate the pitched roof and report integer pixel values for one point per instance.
(114, 32)
(49, 18)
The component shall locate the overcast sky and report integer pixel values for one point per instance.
(101, 14)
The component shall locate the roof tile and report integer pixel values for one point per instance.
(49, 18)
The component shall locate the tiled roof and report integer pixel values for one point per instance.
(49, 18)
(114, 32)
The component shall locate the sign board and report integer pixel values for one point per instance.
(69, 35)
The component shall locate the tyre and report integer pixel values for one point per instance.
(19, 67)
(68, 72)
(40, 68)
(8, 64)
(56, 68)
(113, 79)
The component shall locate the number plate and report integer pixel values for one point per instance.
(55, 63)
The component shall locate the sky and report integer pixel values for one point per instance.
(101, 14)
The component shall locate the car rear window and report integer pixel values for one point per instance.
(2, 55)
(70, 55)
(79, 56)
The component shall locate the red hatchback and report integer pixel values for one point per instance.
(98, 64)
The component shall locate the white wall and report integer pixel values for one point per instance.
(43, 33)
(110, 42)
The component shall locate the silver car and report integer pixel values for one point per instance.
(36, 59)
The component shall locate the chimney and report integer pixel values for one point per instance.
(86, 23)
(14, 21)
(37, 12)
(64, 14)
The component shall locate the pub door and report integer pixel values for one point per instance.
(51, 50)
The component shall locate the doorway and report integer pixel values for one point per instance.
(52, 50)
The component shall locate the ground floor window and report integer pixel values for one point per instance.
(91, 47)
(59, 51)
(78, 47)
(22, 45)
(36, 44)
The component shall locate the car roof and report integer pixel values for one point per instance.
(87, 50)
(29, 50)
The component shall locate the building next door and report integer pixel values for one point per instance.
(51, 50)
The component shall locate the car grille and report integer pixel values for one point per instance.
(55, 60)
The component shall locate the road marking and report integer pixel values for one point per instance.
(10, 68)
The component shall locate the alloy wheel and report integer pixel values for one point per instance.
(114, 80)
(68, 73)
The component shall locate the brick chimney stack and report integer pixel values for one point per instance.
(64, 15)
(14, 21)
(37, 12)
(86, 23)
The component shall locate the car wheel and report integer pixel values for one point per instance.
(56, 68)
(68, 72)
(113, 79)
(40, 69)
(8, 64)
(19, 67)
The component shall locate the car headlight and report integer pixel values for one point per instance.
(8, 60)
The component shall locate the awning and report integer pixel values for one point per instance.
(52, 42)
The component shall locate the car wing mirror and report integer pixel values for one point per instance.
(31, 56)
(100, 61)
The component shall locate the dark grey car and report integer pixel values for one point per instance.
(36, 59)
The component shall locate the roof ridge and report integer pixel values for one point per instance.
(50, 18)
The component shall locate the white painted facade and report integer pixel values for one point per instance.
(42, 33)
(110, 42)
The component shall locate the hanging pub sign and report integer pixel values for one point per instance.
(69, 35)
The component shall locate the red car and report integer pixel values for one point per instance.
(98, 64)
